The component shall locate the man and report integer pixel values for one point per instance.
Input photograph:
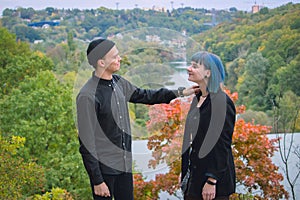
(103, 121)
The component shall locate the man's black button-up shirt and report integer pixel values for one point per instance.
(104, 124)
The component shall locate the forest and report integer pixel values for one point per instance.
(42, 69)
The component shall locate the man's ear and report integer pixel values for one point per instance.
(101, 63)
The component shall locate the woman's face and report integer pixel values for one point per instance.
(197, 72)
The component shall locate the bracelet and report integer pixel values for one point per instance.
(180, 91)
(210, 182)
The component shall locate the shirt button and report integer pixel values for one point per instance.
(120, 117)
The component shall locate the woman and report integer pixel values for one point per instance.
(206, 151)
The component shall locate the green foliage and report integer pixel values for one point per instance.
(264, 11)
(256, 117)
(66, 57)
(17, 61)
(288, 112)
(71, 44)
(27, 13)
(18, 178)
(288, 77)
(55, 194)
(253, 83)
(25, 33)
(90, 23)
(247, 196)
(21, 66)
(274, 34)
(40, 109)
(235, 70)
(10, 48)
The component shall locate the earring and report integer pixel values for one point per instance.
(205, 76)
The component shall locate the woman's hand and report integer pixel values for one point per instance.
(208, 192)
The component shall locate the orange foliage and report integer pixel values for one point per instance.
(144, 190)
(251, 148)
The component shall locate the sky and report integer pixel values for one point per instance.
(130, 4)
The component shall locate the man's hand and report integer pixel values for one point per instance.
(101, 190)
(191, 90)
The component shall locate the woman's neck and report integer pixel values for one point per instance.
(203, 90)
(203, 96)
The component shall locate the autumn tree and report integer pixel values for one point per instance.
(251, 147)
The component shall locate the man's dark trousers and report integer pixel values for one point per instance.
(120, 187)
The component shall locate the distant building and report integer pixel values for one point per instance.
(255, 8)
(155, 8)
(38, 41)
(44, 24)
(152, 38)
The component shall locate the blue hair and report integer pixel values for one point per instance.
(213, 63)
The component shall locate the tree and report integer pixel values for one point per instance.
(166, 126)
(71, 43)
(21, 66)
(49, 10)
(25, 33)
(264, 11)
(18, 61)
(41, 110)
(10, 48)
(233, 9)
(251, 146)
(288, 77)
(286, 117)
(252, 85)
(18, 178)
(27, 13)
(7, 12)
(234, 69)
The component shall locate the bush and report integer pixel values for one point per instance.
(55, 194)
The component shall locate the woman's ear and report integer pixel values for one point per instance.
(207, 73)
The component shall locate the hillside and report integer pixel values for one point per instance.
(261, 53)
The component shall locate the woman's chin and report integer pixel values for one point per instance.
(191, 79)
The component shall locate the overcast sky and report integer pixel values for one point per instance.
(129, 4)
